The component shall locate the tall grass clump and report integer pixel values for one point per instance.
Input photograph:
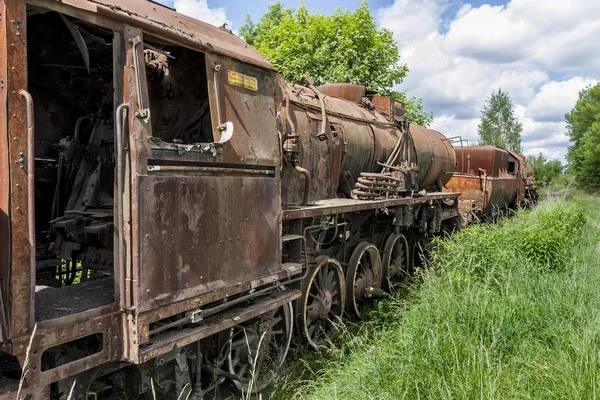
(503, 311)
(551, 232)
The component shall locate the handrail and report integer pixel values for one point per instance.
(321, 135)
(143, 111)
(225, 129)
(119, 157)
(30, 192)
(216, 71)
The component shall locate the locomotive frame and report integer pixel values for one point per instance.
(210, 236)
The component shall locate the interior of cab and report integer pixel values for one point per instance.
(75, 80)
(71, 78)
(178, 93)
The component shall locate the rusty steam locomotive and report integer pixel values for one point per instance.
(170, 206)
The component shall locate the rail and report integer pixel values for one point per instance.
(453, 139)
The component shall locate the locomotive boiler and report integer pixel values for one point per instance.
(337, 134)
(171, 211)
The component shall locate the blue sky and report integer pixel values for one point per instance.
(237, 10)
(542, 52)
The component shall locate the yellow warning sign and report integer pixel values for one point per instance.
(241, 80)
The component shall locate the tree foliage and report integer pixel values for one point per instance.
(499, 126)
(583, 128)
(545, 171)
(346, 47)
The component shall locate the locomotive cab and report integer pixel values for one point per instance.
(138, 188)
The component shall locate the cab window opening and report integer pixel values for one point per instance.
(178, 93)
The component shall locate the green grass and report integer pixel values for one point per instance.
(504, 311)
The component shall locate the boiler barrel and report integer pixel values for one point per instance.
(358, 140)
(435, 156)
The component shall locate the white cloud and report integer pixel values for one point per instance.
(489, 33)
(555, 99)
(541, 52)
(419, 18)
(200, 10)
(452, 127)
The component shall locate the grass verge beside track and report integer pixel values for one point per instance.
(503, 311)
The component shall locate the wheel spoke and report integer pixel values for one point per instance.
(315, 284)
(330, 279)
(262, 347)
(315, 297)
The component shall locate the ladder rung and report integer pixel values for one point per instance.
(292, 268)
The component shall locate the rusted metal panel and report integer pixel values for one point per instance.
(495, 177)
(388, 106)
(169, 24)
(21, 301)
(211, 326)
(471, 192)
(231, 210)
(522, 174)
(108, 324)
(203, 233)
(314, 157)
(493, 160)
(485, 192)
(255, 138)
(135, 169)
(80, 9)
(346, 91)
(4, 183)
(344, 206)
(193, 303)
(502, 191)
(435, 156)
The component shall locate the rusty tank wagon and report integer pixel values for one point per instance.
(491, 180)
(172, 211)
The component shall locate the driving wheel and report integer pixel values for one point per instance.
(322, 303)
(363, 278)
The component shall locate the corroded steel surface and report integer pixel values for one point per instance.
(435, 156)
(227, 320)
(252, 112)
(484, 193)
(496, 178)
(180, 28)
(364, 139)
(4, 184)
(493, 160)
(346, 91)
(107, 324)
(339, 205)
(357, 139)
(387, 105)
(21, 285)
(198, 236)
